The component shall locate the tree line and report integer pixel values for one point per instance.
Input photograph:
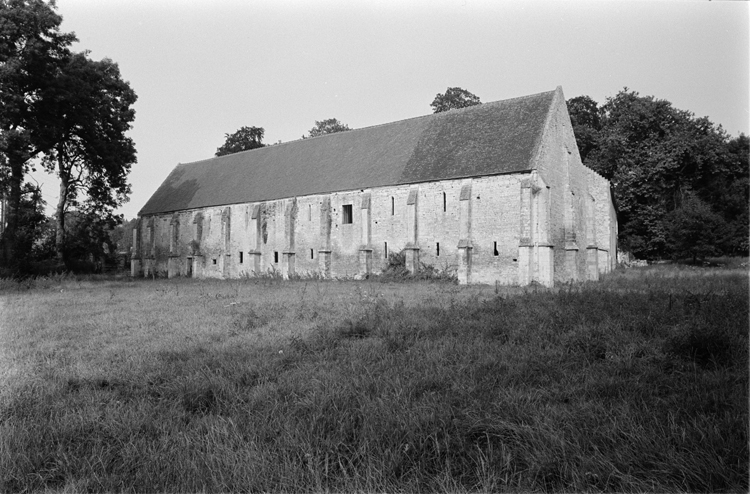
(681, 183)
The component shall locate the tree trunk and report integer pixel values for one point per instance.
(60, 213)
(9, 237)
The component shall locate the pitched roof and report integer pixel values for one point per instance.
(488, 139)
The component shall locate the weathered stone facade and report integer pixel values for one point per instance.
(551, 220)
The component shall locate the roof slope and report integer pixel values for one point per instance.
(488, 139)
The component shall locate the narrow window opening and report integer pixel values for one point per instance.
(386, 250)
(348, 217)
(393, 206)
(445, 203)
(241, 256)
(214, 261)
(494, 249)
(275, 257)
(309, 212)
(437, 249)
(312, 254)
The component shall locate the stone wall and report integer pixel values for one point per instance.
(470, 226)
(583, 222)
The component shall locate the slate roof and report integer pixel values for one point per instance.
(488, 139)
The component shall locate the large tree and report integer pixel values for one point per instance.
(32, 49)
(245, 139)
(586, 121)
(92, 154)
(327, 126)
(452, 99)
(656, 157)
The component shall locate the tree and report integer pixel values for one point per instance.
(121, 236)
(452, 99)
(32, 48)
(92, 154)
(31, 223)
(328, 126)
(584, 116)
(90, 245)
(693, 229)
(656, 155)
(245, 139)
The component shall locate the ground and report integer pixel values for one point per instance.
(637, 382)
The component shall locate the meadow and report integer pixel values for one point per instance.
(635, 383)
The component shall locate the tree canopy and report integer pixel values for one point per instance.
(660, 160)
(32, 51)
(327, 126)
(65, 109)
(454, 98)
(92, 154)
(245, 139)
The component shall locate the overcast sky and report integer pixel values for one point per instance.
(203, 68)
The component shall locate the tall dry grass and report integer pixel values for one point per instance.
(635, 383)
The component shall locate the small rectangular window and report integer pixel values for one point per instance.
(312, 254)
(386, 250)
(309, 212)
(445, 203)
(348, 214)
(241, 257)
(494, 250)
(393, 206)
(275, 257)
(214, 261)
(437, 249)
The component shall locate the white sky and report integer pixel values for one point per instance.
(203, 68)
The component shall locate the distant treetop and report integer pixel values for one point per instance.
(454, 98)
(328, 126)
(245, 139)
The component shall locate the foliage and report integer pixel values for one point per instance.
(396, 264)
(89, 246)
(92, 155)
(638, 383)
(453, 98)
(586, 122)
(32, 50)
(71, 111)
(693, 229)
(31, 225)
(655, 155)
(121, 236)
(327, 126)
(245, 139)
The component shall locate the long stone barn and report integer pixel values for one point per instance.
(496, 192)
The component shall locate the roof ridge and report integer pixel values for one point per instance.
(491, 138)
(429, 115)
(467, 108)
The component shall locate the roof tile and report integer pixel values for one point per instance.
(488, 139)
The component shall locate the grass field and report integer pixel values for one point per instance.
(636, 383)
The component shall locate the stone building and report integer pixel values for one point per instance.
(496, 192)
